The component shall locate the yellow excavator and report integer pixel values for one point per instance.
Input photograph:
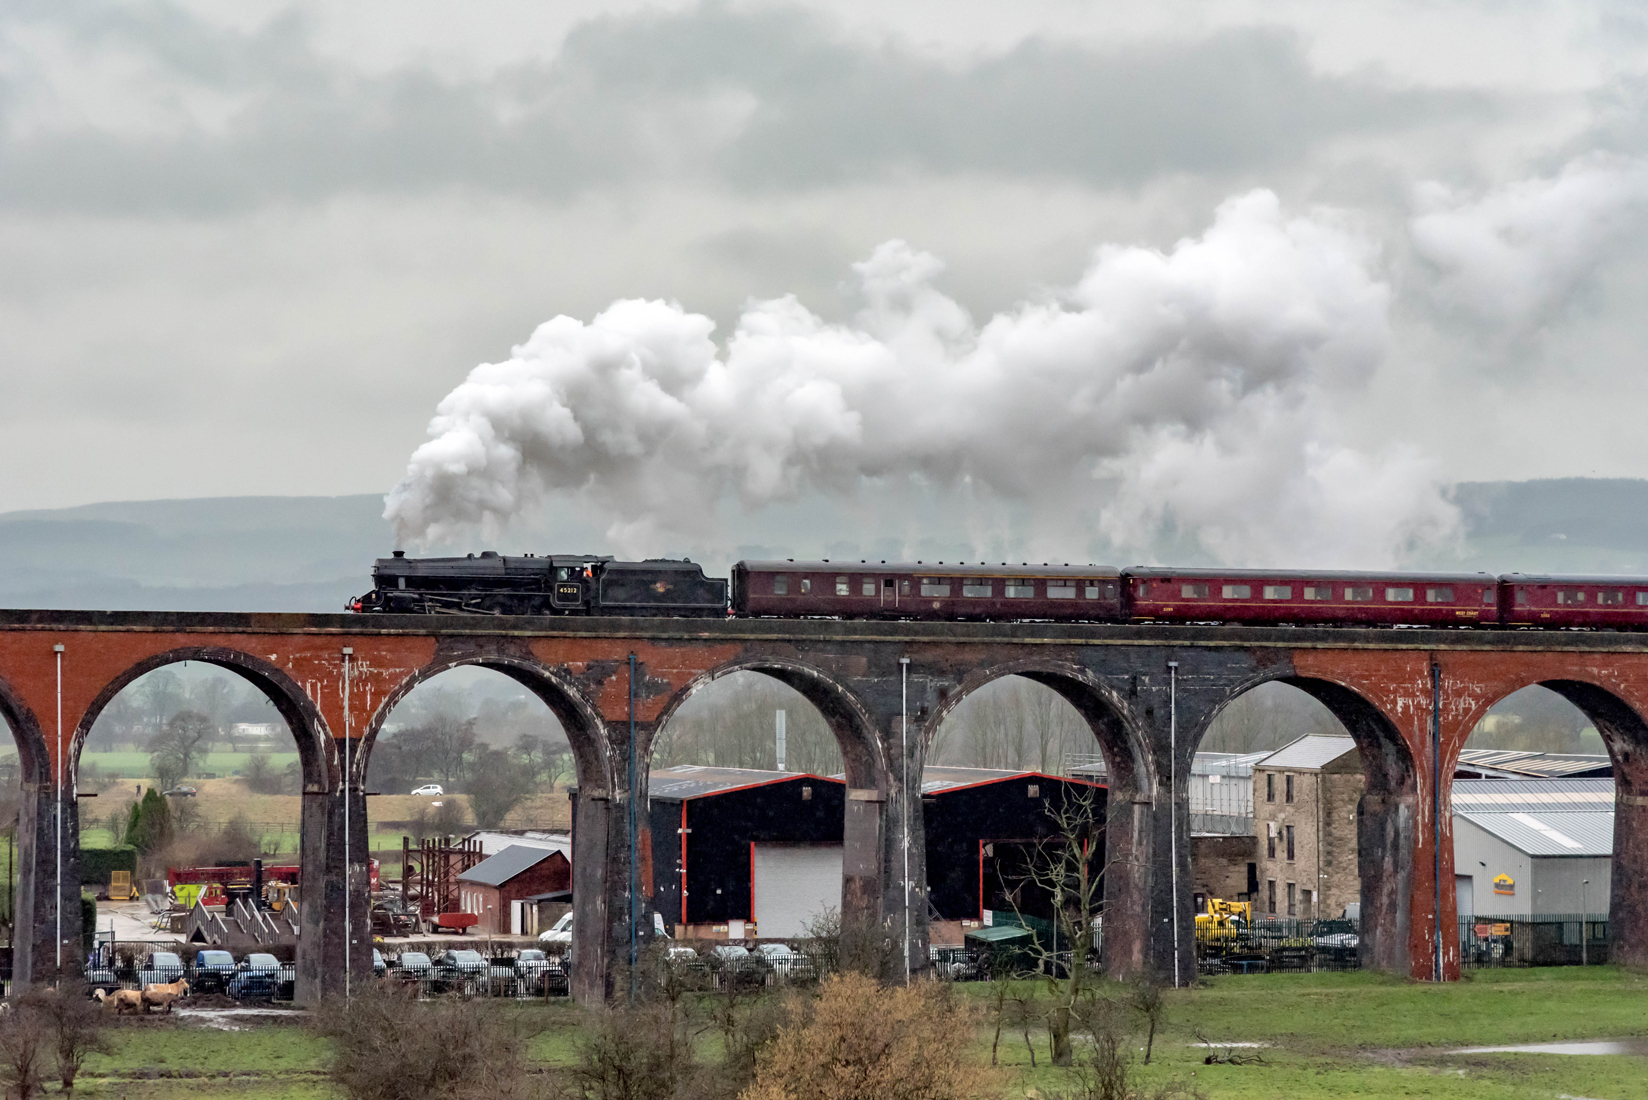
(1222, 927)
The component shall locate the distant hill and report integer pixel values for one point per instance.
(313, 553)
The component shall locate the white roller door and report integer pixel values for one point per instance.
(793, 884)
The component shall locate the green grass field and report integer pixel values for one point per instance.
(134, 764)
(1327, 1035)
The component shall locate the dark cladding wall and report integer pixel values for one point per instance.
(803, 810)
(957, 821)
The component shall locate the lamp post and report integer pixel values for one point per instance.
(1584, 916)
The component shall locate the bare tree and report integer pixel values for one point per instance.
(1013, 723)
(185, 737)
(72, 1024)
(732, 724)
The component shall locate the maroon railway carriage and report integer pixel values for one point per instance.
(1530, 599)
(1292, 596)
(904, 590)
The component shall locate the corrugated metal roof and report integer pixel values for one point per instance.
(1309, 753)
(688, 781)
(1534, 795)
(504, 866)
(1546, 764)
(1574, 833)
(1236, 764)
(493, 842)
(944, 778)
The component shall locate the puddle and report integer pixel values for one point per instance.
(1589, 1046)
(1206, 1046)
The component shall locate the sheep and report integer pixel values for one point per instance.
(164, 993)
(122, 1001)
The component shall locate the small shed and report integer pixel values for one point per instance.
(734, 847)
(499, 889)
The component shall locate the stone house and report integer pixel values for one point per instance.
(1305, 796)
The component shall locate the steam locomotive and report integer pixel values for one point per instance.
(594, 584)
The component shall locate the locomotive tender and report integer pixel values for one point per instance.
(594, 584)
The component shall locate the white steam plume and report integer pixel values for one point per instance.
(1517, 252)
(1187, 390)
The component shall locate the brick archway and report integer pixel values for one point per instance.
(43, 919)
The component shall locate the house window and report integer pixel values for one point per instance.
(841, 586)
(931, 586)
(1278, 592)
(1270, 786)
(1435, 595)
(868, 587)
(1270, 894)
(1061, 591)
(1193, 591)
(1398, 595)
(1304, 903)
(1355, 595)
(1293, 901)
(1290, 843)
(1318, 592)
(977, 589)
(806, 585)
(781, 585)
(1021, 589)
(1270, 845)
(1290, 788)
(1237, 591)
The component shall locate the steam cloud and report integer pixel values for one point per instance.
(1184, 395)
(1517, 252)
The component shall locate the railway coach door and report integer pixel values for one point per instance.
(889, 593)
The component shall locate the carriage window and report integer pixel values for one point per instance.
(1237, 591)
(806, 585)
(1610, 598)
(868, 587)
(1193, 591)
(1318, 592)
(1398, 595)
(1142, 590)
(1022, 589)
(977, 589)
(841, 587)
(903, 587)
(1278, 592)
(563, 574)
(1355, 594)
(1488, 597)
(1439, 595)
(781, 585)
(1570, 595)
(931, 586)
(1642, 599)
(1092, 591)
(1521, 598)
(1061, 591)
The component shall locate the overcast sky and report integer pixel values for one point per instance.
(250, 247)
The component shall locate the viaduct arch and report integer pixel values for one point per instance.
(1409, 697)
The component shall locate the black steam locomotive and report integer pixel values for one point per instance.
(587, 584)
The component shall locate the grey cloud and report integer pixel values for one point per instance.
(760, 100)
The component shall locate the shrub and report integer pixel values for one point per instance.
(859, 1041)
(392, 1046)
(639, 1053)
(71, 1025)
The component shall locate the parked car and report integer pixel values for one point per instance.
(213, 969)
(180, 792)
(379, 969)
(257, 978)
(560, 932)
(160, 967)
(414, 966)
(733, 962)
(430, 790)
(786, 963)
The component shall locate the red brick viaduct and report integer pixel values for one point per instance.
(1409, 697)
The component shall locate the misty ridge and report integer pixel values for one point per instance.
(310, 554)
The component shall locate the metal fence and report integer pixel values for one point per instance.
(114, 967)
(1557, 939)
(1271, 944)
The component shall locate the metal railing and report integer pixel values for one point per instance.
(1544, 940)
(1272, 944)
